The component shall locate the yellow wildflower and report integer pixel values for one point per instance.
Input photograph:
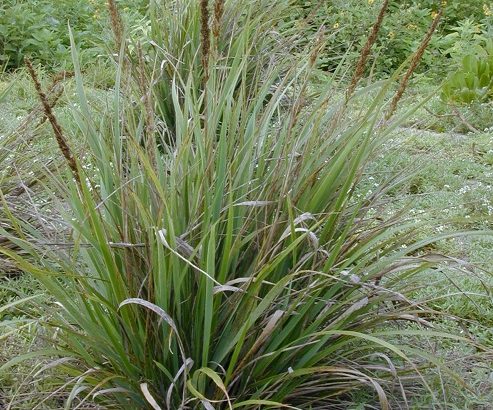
(391, 35)
(486, 10)
(370, 2)
(336, 25)
(434, 15)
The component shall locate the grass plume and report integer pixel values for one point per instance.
(413, 64)
(365, 51)
(57, 129)
(116, 23)
(145, 89)
(205, 34)
(217, 20)
(55, 90)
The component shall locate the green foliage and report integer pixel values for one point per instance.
(466, 37)
(348, 24)
(473, 81)
(406, 23)
(403, 30)
(39, 29)
(231, 264)
(457, 11)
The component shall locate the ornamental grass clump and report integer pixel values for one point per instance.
(229, 265)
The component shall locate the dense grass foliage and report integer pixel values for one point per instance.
(215, 245)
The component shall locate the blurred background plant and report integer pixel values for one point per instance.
(462, 26)
(39, 29)
(473, 81)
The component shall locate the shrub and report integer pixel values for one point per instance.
(457, 11)
(230, 265)
(38, 29)
(473, 82)
(467, 37)
(404, 27)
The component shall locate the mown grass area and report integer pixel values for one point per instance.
(209, 220)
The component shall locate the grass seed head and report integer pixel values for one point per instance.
(218, 15)
(57, 129)
(116, 23)
(414, 63)
(365, 51)
(205, 34)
